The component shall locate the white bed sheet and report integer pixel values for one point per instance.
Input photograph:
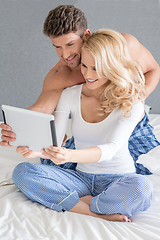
(21, 219)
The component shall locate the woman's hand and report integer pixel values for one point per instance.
(58, 155)
(27, 153)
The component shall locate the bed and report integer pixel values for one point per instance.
(21, 219)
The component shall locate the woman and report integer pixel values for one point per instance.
(104, 111)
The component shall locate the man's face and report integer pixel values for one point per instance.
(68, 47)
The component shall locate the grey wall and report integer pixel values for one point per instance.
(26, 55)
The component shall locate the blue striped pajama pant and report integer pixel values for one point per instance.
(60, 189)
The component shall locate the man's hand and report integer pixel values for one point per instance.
(7, 135)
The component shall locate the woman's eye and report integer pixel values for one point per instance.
(83, 65)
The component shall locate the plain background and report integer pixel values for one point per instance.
(26, 54)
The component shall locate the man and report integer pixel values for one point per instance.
(66, 26)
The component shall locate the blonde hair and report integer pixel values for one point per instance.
(112, 61)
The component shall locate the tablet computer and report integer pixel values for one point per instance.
(33, 129)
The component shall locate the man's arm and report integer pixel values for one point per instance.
(147, 62)
(58, 78)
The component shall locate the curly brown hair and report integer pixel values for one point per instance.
(64, 19)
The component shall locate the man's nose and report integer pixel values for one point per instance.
(65, 53)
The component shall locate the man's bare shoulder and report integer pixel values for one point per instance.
(61, 76)
(140, 53)
(132, 41)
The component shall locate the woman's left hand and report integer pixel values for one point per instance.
(58, 155)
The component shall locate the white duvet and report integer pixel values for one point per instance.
(21, 219)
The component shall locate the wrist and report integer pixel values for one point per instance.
(70, 155)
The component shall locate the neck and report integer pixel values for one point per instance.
(92, 92)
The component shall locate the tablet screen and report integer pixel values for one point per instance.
(33, 129)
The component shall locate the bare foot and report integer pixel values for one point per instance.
(87, 199)
(112, 217)
(117, 217)
(83, 207)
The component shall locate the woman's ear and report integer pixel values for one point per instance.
(86, 34)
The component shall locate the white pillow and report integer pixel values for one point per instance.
(151, 160)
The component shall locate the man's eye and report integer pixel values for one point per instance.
(70, 44)
(56, 46)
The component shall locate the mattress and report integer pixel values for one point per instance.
(22, 219)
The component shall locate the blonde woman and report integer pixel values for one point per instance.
(104, 111)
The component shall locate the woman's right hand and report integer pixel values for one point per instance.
(7, 135)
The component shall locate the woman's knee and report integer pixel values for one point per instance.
(20, 172)
(142, 194)
(144, 187)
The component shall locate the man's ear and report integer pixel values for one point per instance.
(86, 34)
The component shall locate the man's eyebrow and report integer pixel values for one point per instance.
(65, 44)
(55, 45)
(70, 42)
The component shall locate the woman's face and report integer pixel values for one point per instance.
(88, 70)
